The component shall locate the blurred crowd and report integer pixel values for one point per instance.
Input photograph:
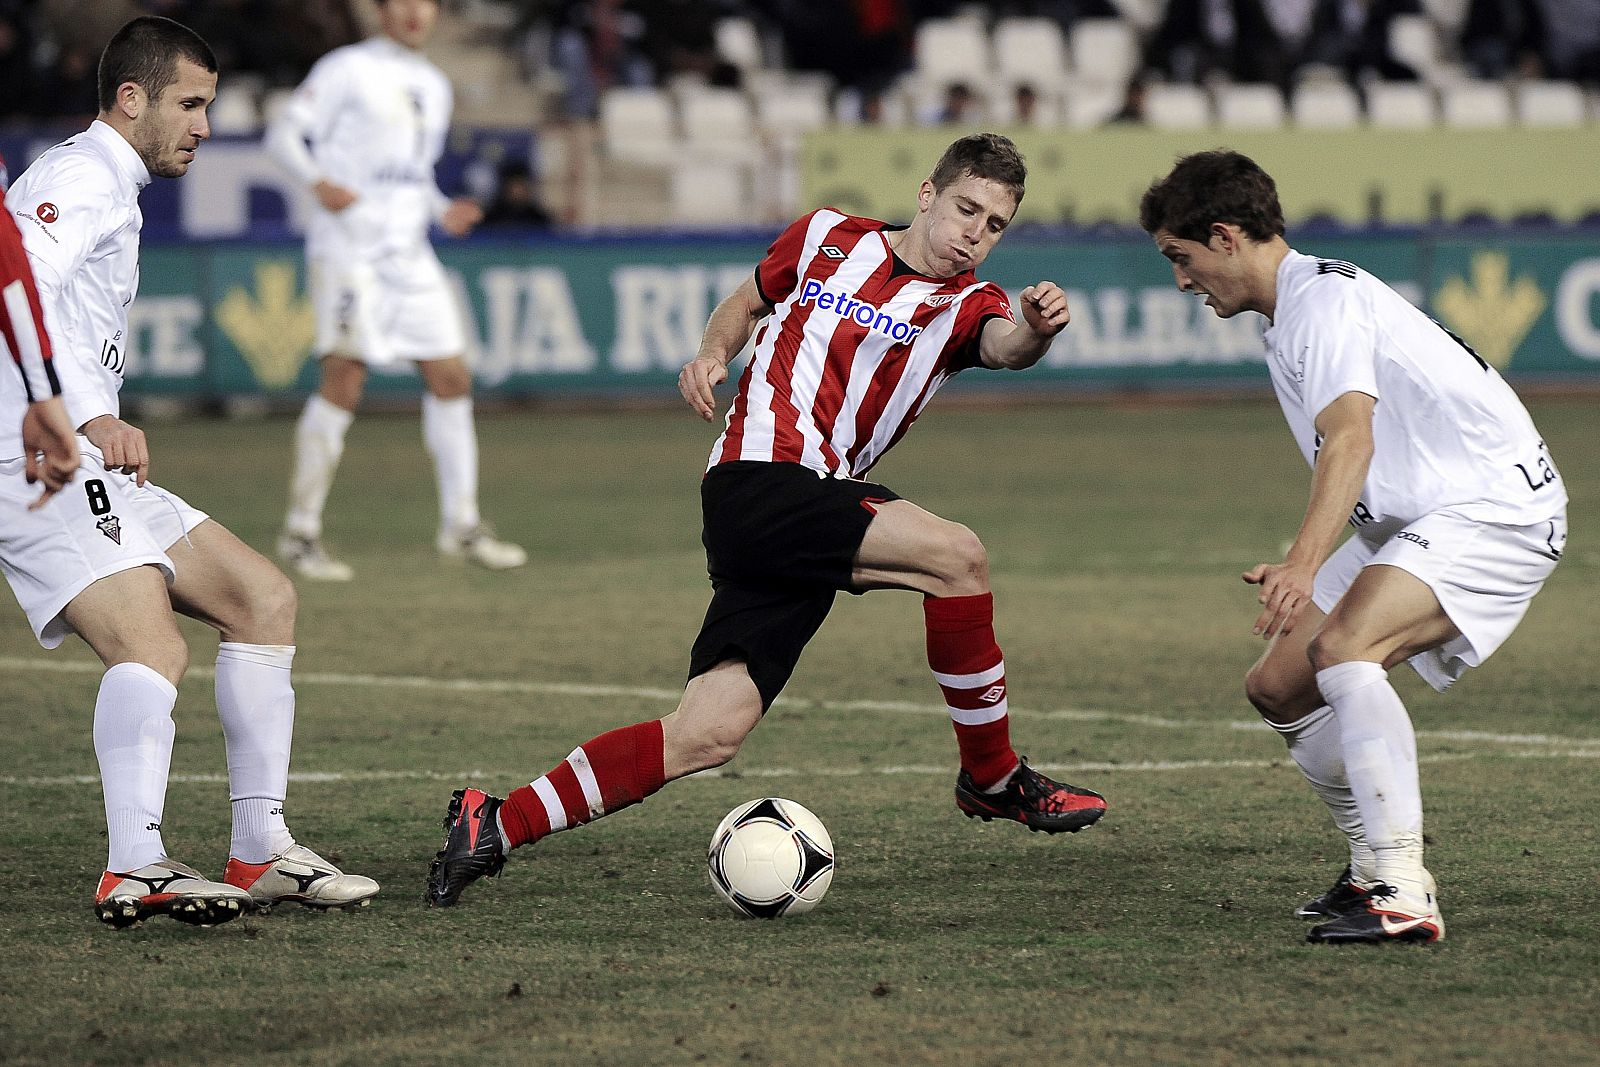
(49, 49)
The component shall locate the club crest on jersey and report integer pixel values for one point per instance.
(863, 314)
(111, 528)
(832, 251)
(939, 300)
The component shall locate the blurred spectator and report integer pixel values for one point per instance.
(864, 44)
(598, 44)
(69, 90)
(1353, 35)
(1241, 40)
(1131, 113)
(1572, 39)
(1025, 104)
(1503, 37)
(17, 79)
(516, 202)
(960, 106)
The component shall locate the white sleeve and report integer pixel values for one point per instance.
(1338, 342)
(438, 201)
(306, 118)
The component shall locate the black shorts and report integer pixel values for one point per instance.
(780, 541)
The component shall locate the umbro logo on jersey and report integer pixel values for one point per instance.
(939, 300)
(863, 314)
(833, 252)
(47, 212)
(111, 528)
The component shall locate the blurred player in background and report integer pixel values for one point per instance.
(363, 133)
(859, 324)
(1459, 518)
(45, 449)
(113, 561)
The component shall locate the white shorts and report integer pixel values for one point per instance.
(100, 524)
(399, 308)
(1483, 574)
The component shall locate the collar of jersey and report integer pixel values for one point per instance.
(122, 153)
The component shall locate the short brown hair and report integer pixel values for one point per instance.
(982, 155)
(146, 52)
(1207, 187)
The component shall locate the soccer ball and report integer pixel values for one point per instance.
(770, 858)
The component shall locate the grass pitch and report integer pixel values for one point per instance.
(1161, 936)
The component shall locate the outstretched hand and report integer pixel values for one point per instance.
(1285, 591)
(697, 382)
(1044, 308)
(51, 447)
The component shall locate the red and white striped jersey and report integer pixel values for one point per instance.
(856, 346)
(22, 333)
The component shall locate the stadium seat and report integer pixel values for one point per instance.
(1448, 15)
(1414, 41)
(718, 124)
(235, 111)
(953, 50)
(791, 111)
(636, 126)
(1090, 104)
(1104, 50)
(1325, 105)
(1031, 50)
(1549, 103)
(1401, 105)
(1475, 104)
(738, 42)
(1250, 107)
(705, 191)
(1177, 107)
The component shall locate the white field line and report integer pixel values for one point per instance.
(1527, 746)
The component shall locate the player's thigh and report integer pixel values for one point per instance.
(1282, 684)
(127, 617)
(226, 584)
(908, 547)
(1386, 616)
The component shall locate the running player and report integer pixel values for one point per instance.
(45, 446)
(1459, 517)
(859, 323)
(113, 562)
(363, 133)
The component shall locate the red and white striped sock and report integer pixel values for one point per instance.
(967, 664)
(603, 775)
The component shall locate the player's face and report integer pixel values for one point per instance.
(1212, 270)
(964, 221)
(170, 128)
(411, 22)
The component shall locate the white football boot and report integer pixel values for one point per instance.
(480, 545)
(167, 887)
(309, 558)
(300, 876)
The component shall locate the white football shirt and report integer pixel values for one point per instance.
(78, 209)
(371, 117)
(1448, 432)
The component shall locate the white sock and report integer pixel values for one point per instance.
(1380, 760)
(1315, 746)
(133, 731)
(452, 441)
(318, 446)
(256, 705)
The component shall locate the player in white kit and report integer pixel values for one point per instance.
(112, 558)
(1458, 510)
(363, 133)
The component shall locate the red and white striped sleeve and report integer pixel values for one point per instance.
(22, 330)
(779, 272)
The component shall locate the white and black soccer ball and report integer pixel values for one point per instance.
(770, 858)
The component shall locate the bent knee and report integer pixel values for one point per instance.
(965, 563)
(1332, 645)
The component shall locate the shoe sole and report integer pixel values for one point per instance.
(1082, 821)
(265, 906)
(1410, 937)
(123, 912)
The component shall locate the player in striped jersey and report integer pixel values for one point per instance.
(49, 447)
(856, 324)
(1458, 511)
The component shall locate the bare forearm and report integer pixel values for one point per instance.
(729, 328)
(1336, 482)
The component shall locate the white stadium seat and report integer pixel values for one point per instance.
(1031, 50)
(792, 112)
(1541, 103)
(953, 50)
(1475, 104)
(1325, 105)
(1090, 104)
(1104, 50)
(1401, 105)
(738, 42)
(718, 124)
(1177, 107)
(1250, 107)
(636, 126)
(1414, 41)
(705, 191)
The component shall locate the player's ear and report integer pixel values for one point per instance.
(925, 195)
(1224, 237)
(131, 99)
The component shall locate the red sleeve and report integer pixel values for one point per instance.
(777, 274)
(22, 331)
(989, 302)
